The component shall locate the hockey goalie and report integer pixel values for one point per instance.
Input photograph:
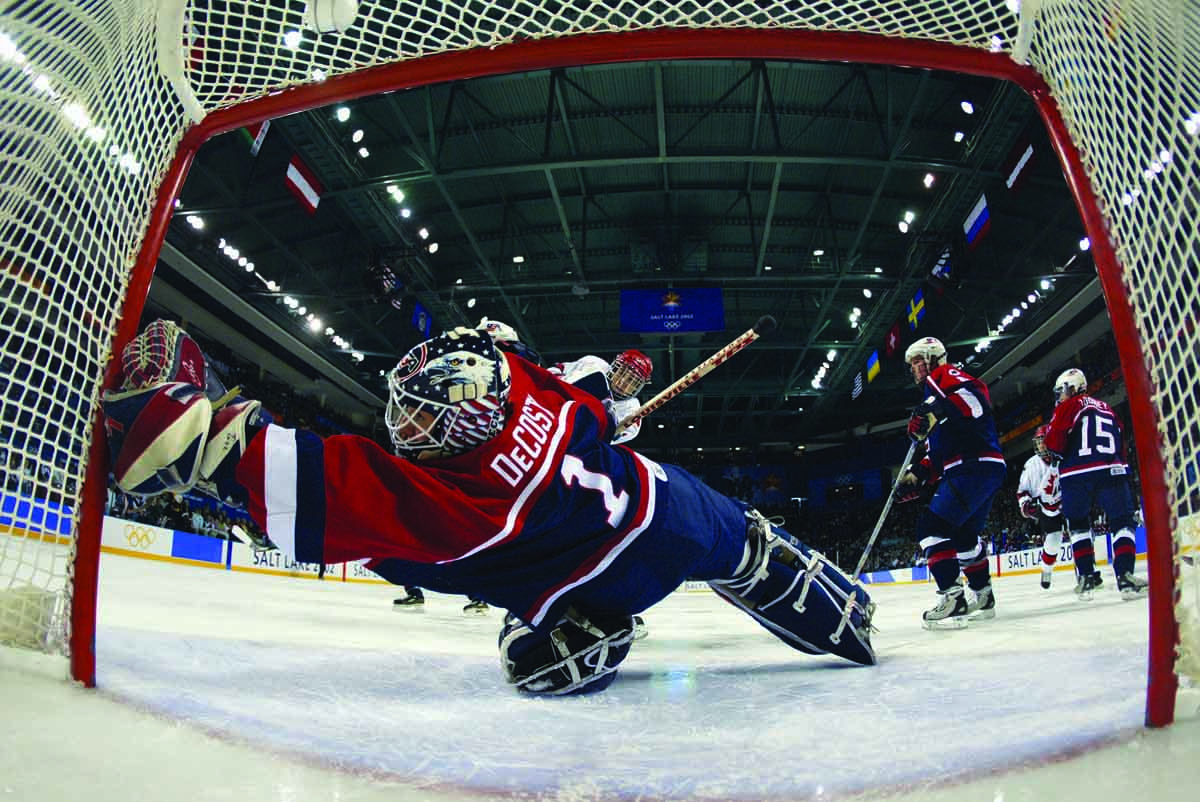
(502, 484)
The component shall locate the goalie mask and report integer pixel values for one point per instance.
(629, 373)
(1069, 383)
(447, 395)
(580, 655)
(930, 352)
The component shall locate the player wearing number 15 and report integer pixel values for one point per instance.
(1085, 435)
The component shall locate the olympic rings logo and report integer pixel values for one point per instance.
(671, 324)
(140, 537)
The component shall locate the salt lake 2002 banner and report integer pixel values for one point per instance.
(672, 311)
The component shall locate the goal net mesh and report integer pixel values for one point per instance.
(96, 98)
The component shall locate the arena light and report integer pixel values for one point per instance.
(819, 252)
(433, 247)
(342, 113)
(518, 260)
(903, 226)
(423, 233)
(364, 153)
(357, 136)
(959, 136)
(195, 221)
(292, 40)
(766, 267)
(866, 293)
(315, 324)
(929, 179)
(1085, 244)
(967, 107)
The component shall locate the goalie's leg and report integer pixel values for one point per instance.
(799, 596)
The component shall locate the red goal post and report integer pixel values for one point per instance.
(105, 107)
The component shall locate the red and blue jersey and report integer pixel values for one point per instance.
(544, 507)
(966, 430)
(1086, 434)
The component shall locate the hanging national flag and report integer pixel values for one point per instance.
(891, 343)
(303, 184)
(916, 310)
(1016, 163)
(858, 386)
(977, 222)
(942, 268)
(873, 366)
(422, 321)
(255, 134)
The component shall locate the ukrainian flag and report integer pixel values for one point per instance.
(873, 366)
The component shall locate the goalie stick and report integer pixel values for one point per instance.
(887, 506)
(765, 325)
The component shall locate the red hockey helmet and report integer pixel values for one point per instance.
(629, 373)
(1039, 442)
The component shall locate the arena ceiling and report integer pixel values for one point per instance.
(782, 184)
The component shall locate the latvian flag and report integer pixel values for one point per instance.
(977, 222)
(303, 184)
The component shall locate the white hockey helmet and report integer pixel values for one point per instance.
(447, 395)
(932, 353)
(1069, 383)
(499, 332)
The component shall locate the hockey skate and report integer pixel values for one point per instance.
(477, 606)
(1087, 586)
(983, 606)
(639, 628)
(1132, 586)
(1047, 573)
(949, 613)
(408, 601)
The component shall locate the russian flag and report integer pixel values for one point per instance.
(977, 222)
(303, 184)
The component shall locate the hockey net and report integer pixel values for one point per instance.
(104, 104)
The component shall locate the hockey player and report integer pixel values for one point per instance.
(1085, 435)
(616, 385)
(503, 485)
(1039, 499)
(955, 423)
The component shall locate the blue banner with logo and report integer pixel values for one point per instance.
(672, 311)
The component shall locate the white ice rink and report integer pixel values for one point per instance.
(217, 685)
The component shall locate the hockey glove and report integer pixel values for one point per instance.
(920, 425)
(908, 488)
(1029, 507)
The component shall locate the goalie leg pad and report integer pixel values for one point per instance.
(579, 655)
(799, 596)
(156, 437)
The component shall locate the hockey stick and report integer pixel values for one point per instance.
(765, 325)
(887, 506)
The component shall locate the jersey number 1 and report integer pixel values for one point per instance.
(573, 470)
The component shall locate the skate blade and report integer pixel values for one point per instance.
(957, 622)
(1132, 595)
(982, 615)
(475, 612)
(1085, 596)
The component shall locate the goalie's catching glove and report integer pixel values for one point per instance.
(167, 432)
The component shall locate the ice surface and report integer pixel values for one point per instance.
(220, 685)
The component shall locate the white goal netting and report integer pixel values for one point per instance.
(96, 99)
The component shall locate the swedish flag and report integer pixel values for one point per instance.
(916, 310)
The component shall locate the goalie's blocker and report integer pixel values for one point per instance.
(799, 596)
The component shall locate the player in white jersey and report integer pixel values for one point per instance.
(623, 380)
(1040, 499)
